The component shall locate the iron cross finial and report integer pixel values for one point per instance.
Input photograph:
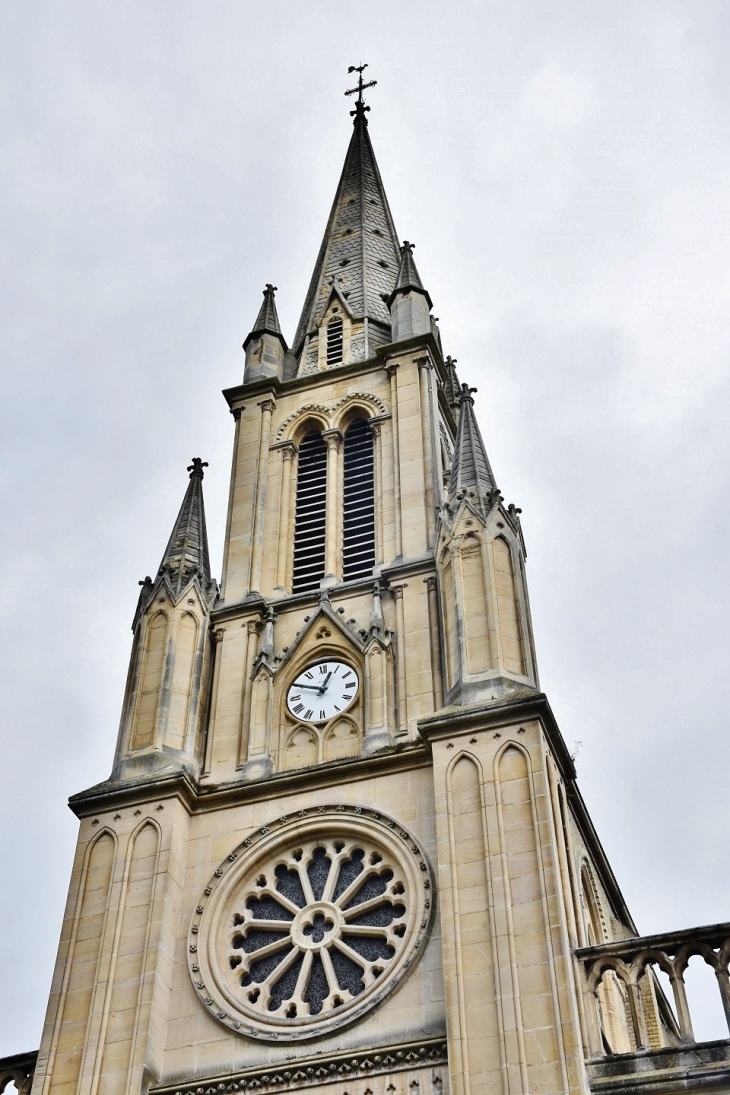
(360, 107)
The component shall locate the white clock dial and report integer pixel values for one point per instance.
(322, 691)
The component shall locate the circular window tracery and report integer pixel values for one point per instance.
(313, 925)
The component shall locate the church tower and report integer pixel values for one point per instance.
(342, 849)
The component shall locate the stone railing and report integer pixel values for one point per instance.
(650, 1021)
(18, 1070)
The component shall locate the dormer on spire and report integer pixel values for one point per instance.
(265, 345)
(471, 474)
(410, 304)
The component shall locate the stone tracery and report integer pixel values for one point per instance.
(313, 928)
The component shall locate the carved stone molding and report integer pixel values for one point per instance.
(359, 397)
(308, 408)
(314, 1071)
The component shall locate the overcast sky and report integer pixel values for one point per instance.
(564, 169)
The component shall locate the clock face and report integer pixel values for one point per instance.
(322, 691)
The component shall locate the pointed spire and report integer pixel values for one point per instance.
(186, 553)
(267, 321)
(408, 279)
(470, 470)
(359, 255)
(452, 388)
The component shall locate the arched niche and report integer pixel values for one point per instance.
(301, 749)
(342, 739)
(143, 732)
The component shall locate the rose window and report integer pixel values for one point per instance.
(310, 932)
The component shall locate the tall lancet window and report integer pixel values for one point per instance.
(334, 342)
(358, 548)
(309, 531)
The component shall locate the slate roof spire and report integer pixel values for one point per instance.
(267, 321)
(186, 553)
(470, 469)
(408, 279)
(452, 388)
(359, 254)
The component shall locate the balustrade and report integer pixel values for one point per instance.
(631, 962)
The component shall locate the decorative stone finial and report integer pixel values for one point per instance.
(466, 393)
(196, 468)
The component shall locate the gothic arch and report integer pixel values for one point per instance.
(291, 426)
(343, 738)
(371, 405)
(140, 826)
(150, 682)
(186, 646)
(81, 976)
(464, 754)
(301, 749)
(508, 606)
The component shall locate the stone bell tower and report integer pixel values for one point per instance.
(342, 849)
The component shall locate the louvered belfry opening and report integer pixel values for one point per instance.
(358, 549)
(309, 531)
(334, 342)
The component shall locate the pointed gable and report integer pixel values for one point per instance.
(359, 252)
(470, 469)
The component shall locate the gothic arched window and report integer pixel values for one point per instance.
(309, 529)
(334, 342)
(358, 547)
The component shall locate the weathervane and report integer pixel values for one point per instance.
(360, 107)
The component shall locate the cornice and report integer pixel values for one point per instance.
(113, 794)
(199, 798)
(249, 393)
(287, 601)
(405, 568)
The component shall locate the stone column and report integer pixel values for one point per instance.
(333, 441)
(236, 412)
(391, 369)
(376, 427)
(259, 764)
(253, 627)
(217, 637)
(262, 467)
(424, 386)
(434, 630)
(401, 655)
(288, 452)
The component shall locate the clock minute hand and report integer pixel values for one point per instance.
(313, 687)
(323, 686)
